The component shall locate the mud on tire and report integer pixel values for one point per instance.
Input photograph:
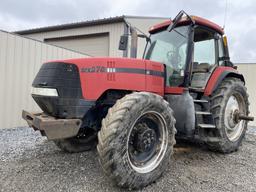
(230, 88)
(114, 139)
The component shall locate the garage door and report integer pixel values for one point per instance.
(94, 45)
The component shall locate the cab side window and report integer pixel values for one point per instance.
(221, 51)
(205, 47)
(204, 52)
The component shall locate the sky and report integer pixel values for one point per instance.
(240, 25)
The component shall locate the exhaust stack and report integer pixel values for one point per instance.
(134, 42)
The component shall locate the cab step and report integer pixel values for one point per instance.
(207, 139)
(200, 101)
(210, 139)
(195, 89)
(203, 113)
(206, 126)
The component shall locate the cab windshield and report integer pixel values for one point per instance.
(170, 48)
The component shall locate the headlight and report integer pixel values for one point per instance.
(44, 91)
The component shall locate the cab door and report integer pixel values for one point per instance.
(205, 58)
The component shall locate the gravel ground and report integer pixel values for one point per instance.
(28, 162)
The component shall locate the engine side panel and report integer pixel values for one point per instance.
(101, 74)
(155, 81)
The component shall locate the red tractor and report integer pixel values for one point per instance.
(132, 109)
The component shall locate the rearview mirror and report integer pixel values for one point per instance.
(123, 42)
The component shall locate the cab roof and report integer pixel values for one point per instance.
(198, 20)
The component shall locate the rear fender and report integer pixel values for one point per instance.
(218, 75)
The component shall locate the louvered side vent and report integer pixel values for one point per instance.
(110, 71)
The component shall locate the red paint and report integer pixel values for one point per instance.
(94, 84)
(205, 22)
(174, 90)
(160, 26)
(154, 84)
(198, 21)
(215, 77)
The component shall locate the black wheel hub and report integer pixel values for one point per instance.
(235, 117)
(145, 139)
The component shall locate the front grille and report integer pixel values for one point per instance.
(65, 78)
(62, 76)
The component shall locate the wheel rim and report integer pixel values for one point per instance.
(233, 127)
(147, 142)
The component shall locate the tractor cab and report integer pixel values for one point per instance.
(190, 47)
(195, 55)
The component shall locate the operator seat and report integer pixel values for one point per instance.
(201, 68)
(200, 74)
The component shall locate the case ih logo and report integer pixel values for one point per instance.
(96, 69)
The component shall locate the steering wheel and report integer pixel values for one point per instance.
(174, 58)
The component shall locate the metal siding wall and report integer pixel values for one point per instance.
(114, 30)
(249, 71)
(92, 45)
(20, 60)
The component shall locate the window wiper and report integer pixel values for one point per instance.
(177, 19)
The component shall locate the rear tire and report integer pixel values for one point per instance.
(230, 96)
(136, 139)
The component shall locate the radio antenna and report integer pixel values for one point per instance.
(225, 15)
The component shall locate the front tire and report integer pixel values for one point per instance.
(229, 98)
(82, 142)
(136, 139)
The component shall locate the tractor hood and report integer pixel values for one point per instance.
(87, 79)
(100, 74)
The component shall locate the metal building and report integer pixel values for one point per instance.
(95, 37)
